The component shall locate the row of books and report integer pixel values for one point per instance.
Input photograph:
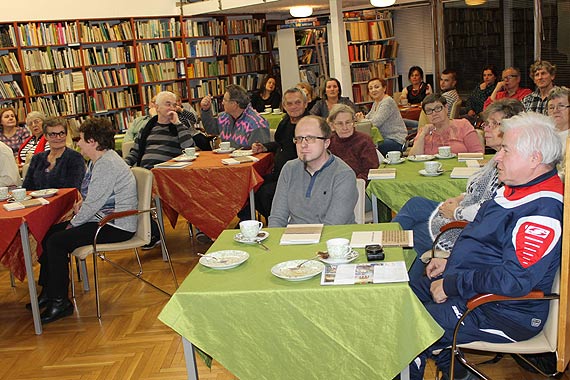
(212, 87)
(104, 31)
(159, 71)
(250, 82)
(369, 30)
(67, 104)
(7, 36)
(300, 22)
(248, 63)
(255, 44)
(306, 56)
(367, 14)
(9, 63)
(158, 28)
(160, 50)
(207, 48)
(373, 70)
(111, 78)
(51, 59)
(57, 33)
(371, 52)
(122, 119)
(10, 89)
(476, 41)
(106, 55)
(309, 36)
(204, 28)
(45, 83)
(150, 90)
(246, 26)
(201, 69)
(110, 100)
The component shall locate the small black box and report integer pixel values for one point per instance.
(374, 252)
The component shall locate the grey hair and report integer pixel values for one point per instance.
(162, 95)
(294, 90)
(432, 98)
(508, 106)
(35, 115)
(559, 92)
(537, 133)
(239, 95)
(339, 108)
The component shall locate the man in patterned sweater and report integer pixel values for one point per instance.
(512, 247)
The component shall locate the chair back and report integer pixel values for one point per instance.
(364, 126)
(144, 179)
(127, 146)
(360, 208)
(455, 108)
(25, 168)
(423, 120)
(396, 96)
(272, 134)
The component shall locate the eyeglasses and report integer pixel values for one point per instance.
(343, 124)
(558, 107)
(491, 124)
(507, 77)
(36, 121)
(429, 111)
(56, 134)
(308, 139)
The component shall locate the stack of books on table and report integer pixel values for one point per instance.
(465, 172)
(301, 234)
(470, 156)
(397, 238)
(382, 173)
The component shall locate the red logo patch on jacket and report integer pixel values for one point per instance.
(533, 242)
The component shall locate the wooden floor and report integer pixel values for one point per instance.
(129, 342)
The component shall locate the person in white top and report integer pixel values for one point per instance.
(9, 175)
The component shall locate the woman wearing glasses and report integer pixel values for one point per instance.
(36, 143)
(385, 115)
(558, 108)
(59, 167)
(425, 216)
(459, 134)
(353, 147)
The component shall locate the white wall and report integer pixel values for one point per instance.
(25, 10)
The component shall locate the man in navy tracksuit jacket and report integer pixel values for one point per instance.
(512, 247)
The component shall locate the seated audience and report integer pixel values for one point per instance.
(11, 133)
(59, 167)
(312, 97)
(418, 89)
(108, 186)
(239, 124)
(267, 96)
(543, 74)
(508, 87)
(140, 121)
(459, 134)
(355, 148)
(295, 105)
(425, 216)
(447, 83)
(476, 100)
(492, 254)
(332, 92)
(385, 115)
(9, 174)
(318, 187)
(36, 143)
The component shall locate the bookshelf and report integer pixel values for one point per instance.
(372, 51)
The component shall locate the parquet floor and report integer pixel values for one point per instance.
(129, 342)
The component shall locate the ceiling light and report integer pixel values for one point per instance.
(301, 11)
(382, 3)
(475, 2)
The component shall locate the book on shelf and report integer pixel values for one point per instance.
(463, 172)
(366, 273)
(301, 234)
(382, 173)
(396, 238)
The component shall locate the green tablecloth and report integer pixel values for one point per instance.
(261, 327)
(273, 119)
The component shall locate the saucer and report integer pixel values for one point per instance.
(261, 236)
(453, 155)
(276, 113)
(5, 198)
(387, 161)
(426, 174)
(353, 255)
(184, 158)
(224, 151)
(420, 157)
(264, 113)
(221, 260)
(46, 193)
(12, 200)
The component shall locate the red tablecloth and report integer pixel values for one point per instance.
(410, 112)
(208, 193)
(39, 220)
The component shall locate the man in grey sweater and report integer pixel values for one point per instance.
(318, 187)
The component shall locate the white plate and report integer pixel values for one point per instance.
(226, 259)
(184, 158)
(241, 153)
(308, 270)
(453, 155)
(46, 193)
(224, 151)
(387, 161)
(264, 113)
(353, 255)
(261, 236)
(421, 157)
(426, 174)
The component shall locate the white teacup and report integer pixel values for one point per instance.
(276, 110)
(338, 248)
(394, 156)
(250, 228)
(225, 145)
(432, 167)
(444, 151)
(190, 152)
(268, 109)
(3, 192)
(19, 194)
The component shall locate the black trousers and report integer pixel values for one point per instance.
(59, 242)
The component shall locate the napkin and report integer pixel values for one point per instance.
(172, 165)
(463, 172)
(469, 156)
(383, 173)
(239, 160)
(25, 204)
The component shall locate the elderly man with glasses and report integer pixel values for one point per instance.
(318, 187)
(508, 87)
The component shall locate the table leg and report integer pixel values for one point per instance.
(252, 204)
(190, 357)
(31, 281)
(374, 209)
(405, 374)
(158, 205)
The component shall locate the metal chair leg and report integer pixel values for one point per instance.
(12, 282)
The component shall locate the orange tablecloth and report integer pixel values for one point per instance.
(410, 112)
(208, 193)
(39, 219)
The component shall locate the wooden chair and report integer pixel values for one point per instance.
(364, 126)
(455, 109)
(126, 147)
